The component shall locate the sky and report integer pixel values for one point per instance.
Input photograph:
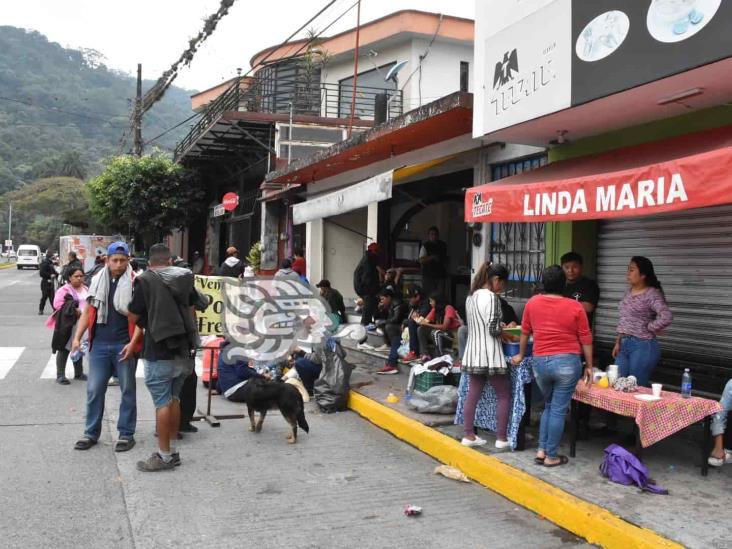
(155, 32)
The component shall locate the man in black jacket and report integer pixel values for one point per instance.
(232, 265)
(366, 282)
(48, 275)
(162, 303)
(433, 258)
(334, 299)
(395, 312)
(74, 263)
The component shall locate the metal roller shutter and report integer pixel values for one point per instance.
(691, 254)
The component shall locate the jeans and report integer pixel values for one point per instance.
(62, 356)
(557, 377)
(308, 372)
(393, 338)
(164, 379)
(413, 336)
(638, 357)
(719, 420)
(103, 358)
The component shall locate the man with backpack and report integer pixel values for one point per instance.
(48, 276)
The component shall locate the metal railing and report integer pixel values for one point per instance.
(314, 99)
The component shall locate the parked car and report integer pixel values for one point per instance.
(29, 255)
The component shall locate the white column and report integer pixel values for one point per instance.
(372, 223)
(314, 250)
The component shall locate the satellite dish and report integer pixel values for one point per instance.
(392, 74)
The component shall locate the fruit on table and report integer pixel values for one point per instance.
(603, 382)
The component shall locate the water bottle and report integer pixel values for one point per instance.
(686, 384)
(76, 355)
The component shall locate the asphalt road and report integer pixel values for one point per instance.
(343, 485)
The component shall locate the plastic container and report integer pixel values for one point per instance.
(512, 348)
(686, 384)
(426, 380)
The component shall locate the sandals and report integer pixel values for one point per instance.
(124, 444)
(563, 460)
(539, 461)
(84, 444)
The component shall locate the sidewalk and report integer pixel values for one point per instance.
(689, 515)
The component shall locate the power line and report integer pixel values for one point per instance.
(261, 62)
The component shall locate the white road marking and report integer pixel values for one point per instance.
(49, 372)
(8, 357)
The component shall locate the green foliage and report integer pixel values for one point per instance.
(45, 209)
(148, 196)
(255, 256)
(59, 105)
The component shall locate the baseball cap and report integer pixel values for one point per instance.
(374, 248)
(387, 292)
(119, 248)
(414, 291)
(325, 283)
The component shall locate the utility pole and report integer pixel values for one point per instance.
(138, 114)
(355, 68)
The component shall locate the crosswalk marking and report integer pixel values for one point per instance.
(8, 358)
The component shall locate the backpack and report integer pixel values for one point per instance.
(624, 468)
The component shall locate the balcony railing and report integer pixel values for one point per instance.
(313, 99)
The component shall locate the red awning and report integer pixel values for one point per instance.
(680, 173)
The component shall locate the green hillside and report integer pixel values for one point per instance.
(56, 102)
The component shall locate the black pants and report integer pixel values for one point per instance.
(46, 294)
(442, 341)
(188, 399)
(61, 358)
(370, 303)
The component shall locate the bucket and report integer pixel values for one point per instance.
(512, 348)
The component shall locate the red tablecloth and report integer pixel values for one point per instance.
(656, 420)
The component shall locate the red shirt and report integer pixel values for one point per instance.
(451, 315)
(559, 325)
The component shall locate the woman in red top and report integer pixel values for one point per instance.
(561, 335)
(440, 325)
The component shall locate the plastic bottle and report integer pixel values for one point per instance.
(686, 384)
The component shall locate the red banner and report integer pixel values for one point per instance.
(690, 182)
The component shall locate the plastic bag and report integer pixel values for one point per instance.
(451, 472)
(442, 399)
(332, 386)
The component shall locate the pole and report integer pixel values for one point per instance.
(355, 68)
(138, 113)
(289, 138)
(10, 221)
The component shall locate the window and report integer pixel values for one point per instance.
(464, 75)
(369, 84)
(519, 246)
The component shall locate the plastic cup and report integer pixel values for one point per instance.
(656, 388)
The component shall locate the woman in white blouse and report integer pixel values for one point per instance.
(483, 360)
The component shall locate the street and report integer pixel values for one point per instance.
(344, 484)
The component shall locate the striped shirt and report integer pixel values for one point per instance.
(644, 315)
(483, 350)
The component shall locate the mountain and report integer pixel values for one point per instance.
(58, 103)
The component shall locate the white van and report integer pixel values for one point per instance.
(29, 255)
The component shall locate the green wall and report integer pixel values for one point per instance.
(581, 236)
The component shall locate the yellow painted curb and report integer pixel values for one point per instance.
(592, 522)
(6, 266)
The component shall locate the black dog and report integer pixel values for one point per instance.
(261, 395)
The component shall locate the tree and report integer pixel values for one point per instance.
(149, 196)
(68, 164)
(45, 209)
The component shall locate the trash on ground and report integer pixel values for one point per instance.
(451, 472)
(412, 510)
(442, 399)
(392, 398)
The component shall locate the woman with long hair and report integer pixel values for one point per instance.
(483, 360)
(68, 304)
(644, 314)
(561, 335)
(440, 324)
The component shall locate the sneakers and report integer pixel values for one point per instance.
(411, 357)
(383, 348)
(364, 347)
(388, 369)
(500, 444)
(62, 380)
(471, 443)
(718, 462)
(81, 377)
(176, 459)
(113, 382)
(155, 463)
(188, 428)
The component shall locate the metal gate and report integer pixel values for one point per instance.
(691, 255)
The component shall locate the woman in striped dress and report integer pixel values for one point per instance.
(483, 360)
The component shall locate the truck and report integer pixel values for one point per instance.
(87, 247)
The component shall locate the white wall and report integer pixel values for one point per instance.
(440, 70)
(343, 250)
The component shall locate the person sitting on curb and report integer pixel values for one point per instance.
(419, 308)
(440, 325)
(720, 455)
(395, 312)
